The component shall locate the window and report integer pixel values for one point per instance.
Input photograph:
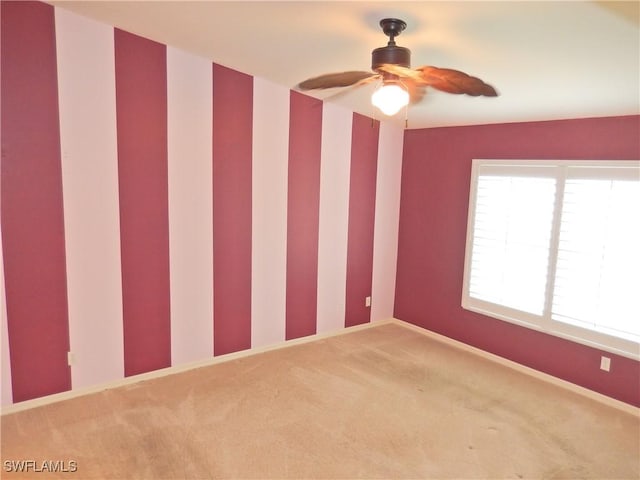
(555, 246)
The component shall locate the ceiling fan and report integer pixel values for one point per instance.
(400, 84)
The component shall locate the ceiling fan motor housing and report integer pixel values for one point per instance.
(391, 54)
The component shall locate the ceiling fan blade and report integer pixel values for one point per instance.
(454, 81)
(331, 80)
(348, 88)
(400, 71)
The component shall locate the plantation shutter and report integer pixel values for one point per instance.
(597, 277)
(512, 231)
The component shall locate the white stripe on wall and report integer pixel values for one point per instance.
(269, 212)
(6, 392)
(189, 105)
(385, 235)
(335, 171)
(86, 92)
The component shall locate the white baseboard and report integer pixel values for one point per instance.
(612, 402)
(58, 397)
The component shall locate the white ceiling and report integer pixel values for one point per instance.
(547, 59)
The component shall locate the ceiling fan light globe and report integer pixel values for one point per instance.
(390, 99)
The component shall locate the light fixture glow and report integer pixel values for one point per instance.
(390, 98)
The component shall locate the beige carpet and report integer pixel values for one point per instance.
(384, 402)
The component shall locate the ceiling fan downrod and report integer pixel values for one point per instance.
(392, 27)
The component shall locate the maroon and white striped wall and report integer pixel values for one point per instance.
(158, 209)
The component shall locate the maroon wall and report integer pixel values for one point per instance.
(433, 219)
(232, 190)
(32, 207)
(141, 106)
(362, 212)
(303, 214)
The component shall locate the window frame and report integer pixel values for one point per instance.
(543, 323)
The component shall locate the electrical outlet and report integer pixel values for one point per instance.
(367, 302)
(605, 364)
